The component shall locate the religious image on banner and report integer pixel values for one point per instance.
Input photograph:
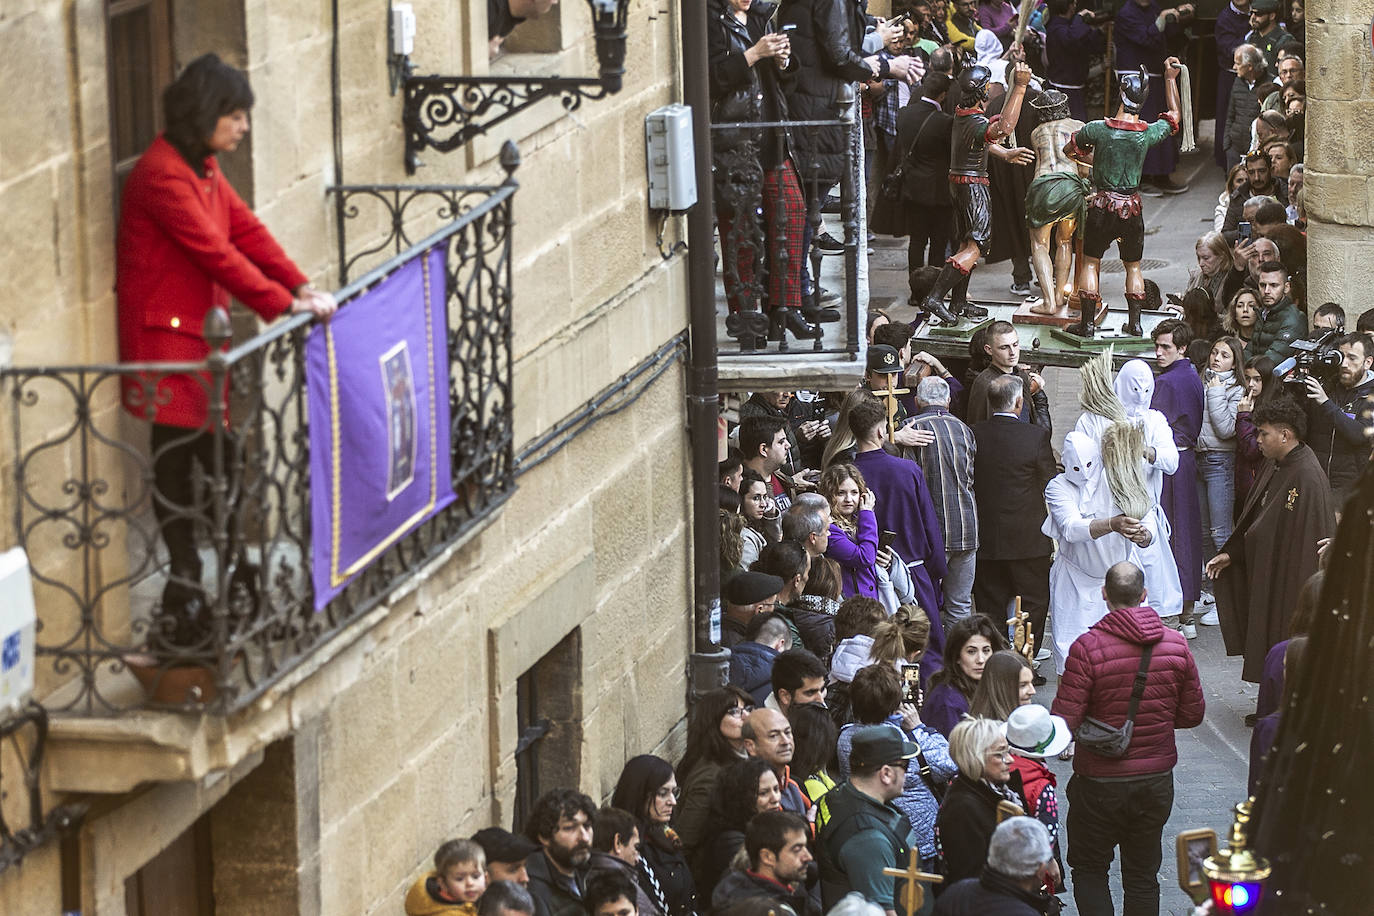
(399, 390)
(377, 386)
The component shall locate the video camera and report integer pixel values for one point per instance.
(1316, 357)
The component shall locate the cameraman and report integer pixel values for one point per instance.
(1339, 421)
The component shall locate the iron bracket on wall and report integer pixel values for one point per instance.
(445, 112)
(42, 826)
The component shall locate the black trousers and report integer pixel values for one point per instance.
(176, 502)
(1104, 815)
(997, 582)
(927, 228)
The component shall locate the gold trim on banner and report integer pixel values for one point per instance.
(337, 578)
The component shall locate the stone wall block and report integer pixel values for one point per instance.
(36, 123)
(1337, 198)
(621, 530)
(543, 288)
(391, 842)
(28, 236)
(358, 742)
(608, 249)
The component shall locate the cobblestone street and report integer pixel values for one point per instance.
(1213, 758)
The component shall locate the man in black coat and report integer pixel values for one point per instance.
(923, 138)
(1013, 553)
(827, 50)
(776, 842)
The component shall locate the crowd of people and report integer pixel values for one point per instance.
(801, 61)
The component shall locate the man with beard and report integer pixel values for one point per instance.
(1280, 322)
(1260, 181)
(561, 823)
(1273, 549)
(776, 842)
(1266, 33)
(1339, 422)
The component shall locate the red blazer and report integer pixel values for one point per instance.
(187, 243)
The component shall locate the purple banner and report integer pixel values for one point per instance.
(377, 384)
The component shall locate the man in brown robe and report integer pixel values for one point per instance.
(1273, 549)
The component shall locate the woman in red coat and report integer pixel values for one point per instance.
(187, 243)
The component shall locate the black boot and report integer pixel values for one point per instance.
(1133, 306)
(958, 300)
(935, 300)
(1087, 305)
(783, 319)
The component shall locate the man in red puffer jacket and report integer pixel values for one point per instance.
(1125, 801)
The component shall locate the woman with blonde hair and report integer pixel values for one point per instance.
(1242, 314)
(1216, 277)
(986, 778)
(853, 529)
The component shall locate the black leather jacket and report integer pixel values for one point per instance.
(826, 46)
(741, 93)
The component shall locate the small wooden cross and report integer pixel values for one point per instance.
(1023, 639)
(889, 396)
(915, 893)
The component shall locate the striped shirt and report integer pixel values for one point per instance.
(948, 466)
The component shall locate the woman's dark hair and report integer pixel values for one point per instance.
(704, 740)
(876, 693)
(639, 782)
(959, 634)
(999, 689)
(1264, 365)
(729, 500)
(824, 579)
(207, 90)
(739, 791)
(813, 739)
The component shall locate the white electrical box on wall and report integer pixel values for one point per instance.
(669, 154)
(402, 29)
(17, 624)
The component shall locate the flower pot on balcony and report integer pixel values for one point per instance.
(180, 685)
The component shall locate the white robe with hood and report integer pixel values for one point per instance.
(1135, 386)
(1075, 499)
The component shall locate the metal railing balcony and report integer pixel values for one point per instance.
(752, 263)
(85, 506)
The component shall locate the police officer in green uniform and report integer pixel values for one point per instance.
(862, 831)
(1118, 147)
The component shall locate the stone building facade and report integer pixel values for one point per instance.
(330, 793)
(1339, 169)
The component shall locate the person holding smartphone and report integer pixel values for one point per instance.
(854, 539)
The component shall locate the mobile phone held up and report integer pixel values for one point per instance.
(886, 539)
(1244, 229)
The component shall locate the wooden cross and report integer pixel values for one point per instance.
(1023, 639)
(915, 893)
(889, 396)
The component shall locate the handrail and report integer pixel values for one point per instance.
(97, 527)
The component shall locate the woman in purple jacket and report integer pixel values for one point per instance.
(968, 646)
(853, 529)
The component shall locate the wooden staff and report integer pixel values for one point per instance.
(915, 893)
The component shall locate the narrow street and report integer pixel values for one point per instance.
(1213, 758)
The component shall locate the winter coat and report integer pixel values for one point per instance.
(826, 48)
(812, 630)
(1219, 419)
(991, 894)
(672, 874)
(1276, 329)
(944, 707)
(1336, 431)
(966, 822)
(857, 555)
(551, 898)
(740, 92)
(422, 900)
(693, 813)
(1097, 682)
(917, 801)
(736, 886)
(751, 669)
(603, 863)
(187, 243)
(1241, 111)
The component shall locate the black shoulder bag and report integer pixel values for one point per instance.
(891, 188)
(1108, 740)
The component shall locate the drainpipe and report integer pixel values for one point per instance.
(709, 661)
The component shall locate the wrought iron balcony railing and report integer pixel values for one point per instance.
(758, 235)
(83, 497)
